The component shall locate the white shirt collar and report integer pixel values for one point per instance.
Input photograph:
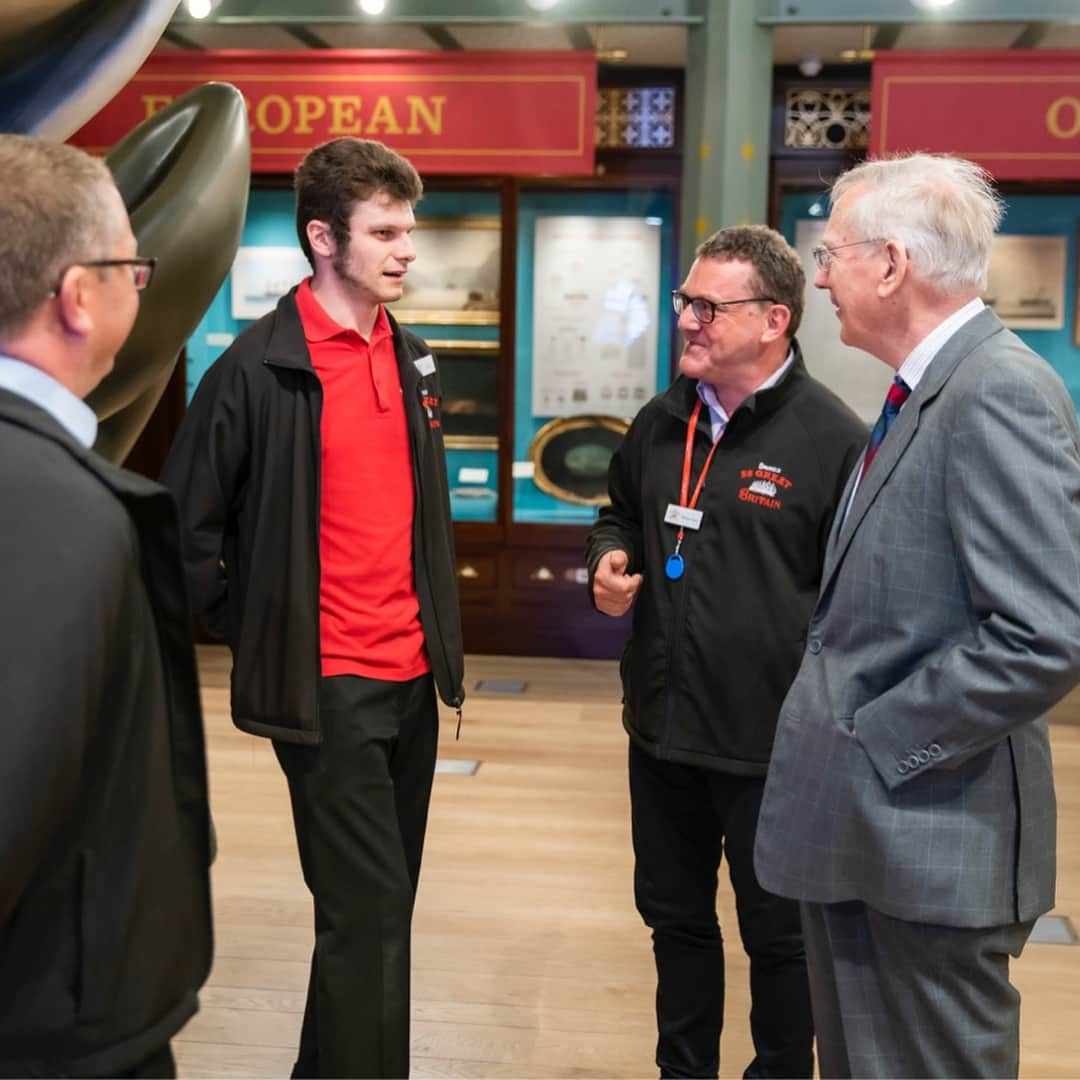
(718, 414)
(75, 416)
(918, 360)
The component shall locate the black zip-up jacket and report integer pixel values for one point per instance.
(105, 933)
(711, 655)
(245, 468)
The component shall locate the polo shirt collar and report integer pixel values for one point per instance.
(318, 324)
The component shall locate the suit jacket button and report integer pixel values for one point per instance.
(913, 760)
(902, 768)
(924, 756)
(814, 645)
(935, 750)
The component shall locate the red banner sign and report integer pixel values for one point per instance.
(1015, 113)
(453, 112)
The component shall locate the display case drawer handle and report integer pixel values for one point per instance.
(469, 573)
(541, 573)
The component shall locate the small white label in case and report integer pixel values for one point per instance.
(683, 516)
(473, 476)
(522, 470)
(425, 365)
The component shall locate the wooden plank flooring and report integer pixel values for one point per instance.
(529, 958)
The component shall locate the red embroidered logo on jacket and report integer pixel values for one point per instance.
(431, 403)
(767, 484)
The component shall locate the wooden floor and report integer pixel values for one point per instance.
(529, 958)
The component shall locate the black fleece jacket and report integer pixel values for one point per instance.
(245, 469)
(711, 655)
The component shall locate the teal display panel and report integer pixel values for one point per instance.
(531, 504)
(1025, 215)
(270, 222)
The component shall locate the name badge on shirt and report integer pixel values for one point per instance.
(683, 516)
(425, 365)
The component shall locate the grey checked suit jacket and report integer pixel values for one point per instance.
(911, 769)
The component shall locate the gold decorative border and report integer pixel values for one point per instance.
(558, 426)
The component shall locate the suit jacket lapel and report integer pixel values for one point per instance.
(960, 345)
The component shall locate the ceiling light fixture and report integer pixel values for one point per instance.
(372, 7)
(199, 9)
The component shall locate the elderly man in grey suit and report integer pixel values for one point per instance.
(910, 801)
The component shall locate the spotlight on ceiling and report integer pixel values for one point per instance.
(810, 66)
(199, 9)
(372, 7)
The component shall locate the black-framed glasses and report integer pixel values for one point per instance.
(705, 310)
(823, 253)
(142, 270)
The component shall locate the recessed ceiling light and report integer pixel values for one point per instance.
(372, 7)
(199, 9)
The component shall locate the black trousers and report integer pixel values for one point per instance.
(685, 819)
(360, 803)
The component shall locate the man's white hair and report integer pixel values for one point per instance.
(944, 210)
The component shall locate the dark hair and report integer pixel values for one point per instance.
(337, 175)
(776, 264)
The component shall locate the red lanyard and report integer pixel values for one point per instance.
(688, 458)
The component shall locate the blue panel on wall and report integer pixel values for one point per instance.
(530, 503)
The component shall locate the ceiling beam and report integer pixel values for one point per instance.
(303, 34)
(442, 37)
(786, 12)
(443, 12)
(580, 37)
(1032, 36)
(886, 37)
(174, 37)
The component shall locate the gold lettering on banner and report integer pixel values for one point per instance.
(308, 108)
(333, 114)
(343, 118)
(432, 116)
(383, 113)
(262, 118)
(1063, 118)
(154, 103)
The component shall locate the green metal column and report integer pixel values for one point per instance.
(726, 131)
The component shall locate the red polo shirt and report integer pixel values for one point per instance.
(369, 614)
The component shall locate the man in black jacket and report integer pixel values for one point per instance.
(104, 885)
(312, 483)
(722, 495)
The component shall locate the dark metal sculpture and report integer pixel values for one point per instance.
(184, 174)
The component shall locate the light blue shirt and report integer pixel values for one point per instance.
(75, 416)
(718, 414)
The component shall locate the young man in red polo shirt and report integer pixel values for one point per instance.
(312, 483)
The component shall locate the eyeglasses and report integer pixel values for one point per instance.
(142, 270)
(705, 310)
(823, 253)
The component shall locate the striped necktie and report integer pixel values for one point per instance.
(897, 395)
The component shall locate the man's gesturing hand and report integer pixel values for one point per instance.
(613, 588)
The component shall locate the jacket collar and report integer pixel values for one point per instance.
(679, 399)
(20, 412)
(965, 341)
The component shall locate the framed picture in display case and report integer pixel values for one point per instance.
(570, 457)
(454, 279)
(1026, 281)
(469, 375)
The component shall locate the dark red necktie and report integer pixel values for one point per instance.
(897, 395)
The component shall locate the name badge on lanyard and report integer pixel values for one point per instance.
(683, 513)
